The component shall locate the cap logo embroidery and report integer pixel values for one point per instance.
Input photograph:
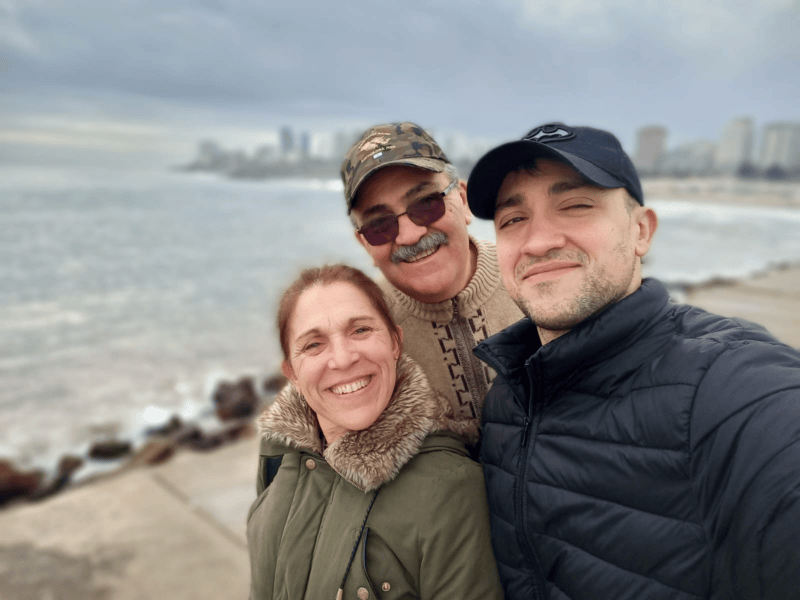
(549, 133)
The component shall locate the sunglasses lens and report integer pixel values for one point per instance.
(427, 211)
(381, 230)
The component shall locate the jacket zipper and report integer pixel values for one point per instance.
(477, 386)
(540, 590)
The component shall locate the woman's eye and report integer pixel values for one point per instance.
(311, 346)
(363, 329)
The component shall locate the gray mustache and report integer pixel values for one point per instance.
(432, 240)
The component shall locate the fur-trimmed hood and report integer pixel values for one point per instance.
(373, 456)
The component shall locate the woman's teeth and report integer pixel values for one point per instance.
(349, 388)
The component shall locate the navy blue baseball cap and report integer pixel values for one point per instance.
(596, 154)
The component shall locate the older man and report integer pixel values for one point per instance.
(410, 213)
(633, 448)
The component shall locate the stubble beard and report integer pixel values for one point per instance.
(598, 290)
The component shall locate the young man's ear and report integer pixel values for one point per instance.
(646, 224)
(286, 368)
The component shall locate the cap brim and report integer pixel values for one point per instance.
(429, 164)
(489, 172)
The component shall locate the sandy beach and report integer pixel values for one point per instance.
(177, 530)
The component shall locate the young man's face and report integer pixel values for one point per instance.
(428, 274)
(566, 249)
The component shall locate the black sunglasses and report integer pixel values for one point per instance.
(422, 212)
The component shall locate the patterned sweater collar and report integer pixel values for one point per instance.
(483, 284)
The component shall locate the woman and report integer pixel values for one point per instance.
(376, 496)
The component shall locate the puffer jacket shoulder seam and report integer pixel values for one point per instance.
(692, 482)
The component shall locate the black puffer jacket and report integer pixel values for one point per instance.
(651, 452)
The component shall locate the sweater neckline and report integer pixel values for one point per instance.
(479, 290)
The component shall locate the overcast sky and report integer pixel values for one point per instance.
(149, 78)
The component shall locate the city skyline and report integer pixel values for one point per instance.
(736, 147)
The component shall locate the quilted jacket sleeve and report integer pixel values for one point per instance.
(745, 468)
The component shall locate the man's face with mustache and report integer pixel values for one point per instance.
(429, 263)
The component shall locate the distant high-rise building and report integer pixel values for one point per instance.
(780, 146)
(264, 154)
(692, 158)
(736, 145)
(649, 147)
(287, 140)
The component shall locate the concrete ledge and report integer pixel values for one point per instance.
(175, 531)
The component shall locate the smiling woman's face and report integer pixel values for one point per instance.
(342, 357)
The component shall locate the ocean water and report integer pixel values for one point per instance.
(125, 298)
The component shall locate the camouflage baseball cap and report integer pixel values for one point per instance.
(390, 144)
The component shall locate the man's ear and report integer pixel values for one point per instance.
(462, 191)
(363, 241)
(360, 238)
(646, 223)
(288, 372)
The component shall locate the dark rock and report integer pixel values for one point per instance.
(110, 449)
(18, 484)
(154, 452)
(235, 400)
(230, 434)
(174, 424)
(188, 435)
(66, 467)
(206, 442)
(241, 431)
(274, 384)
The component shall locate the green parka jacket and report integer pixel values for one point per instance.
(426, 534)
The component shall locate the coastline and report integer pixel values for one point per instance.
(177, 529)
(724, 190)
(770, 298)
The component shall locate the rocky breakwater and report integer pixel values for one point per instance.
(235, 405)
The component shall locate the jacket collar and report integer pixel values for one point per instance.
(479, 290)
(594, 340)
(373, 456)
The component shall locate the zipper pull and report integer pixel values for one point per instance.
(525, 431)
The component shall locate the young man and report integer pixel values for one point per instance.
(410, 213)
(633, 448)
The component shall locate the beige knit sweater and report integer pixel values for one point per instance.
(440, 336)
